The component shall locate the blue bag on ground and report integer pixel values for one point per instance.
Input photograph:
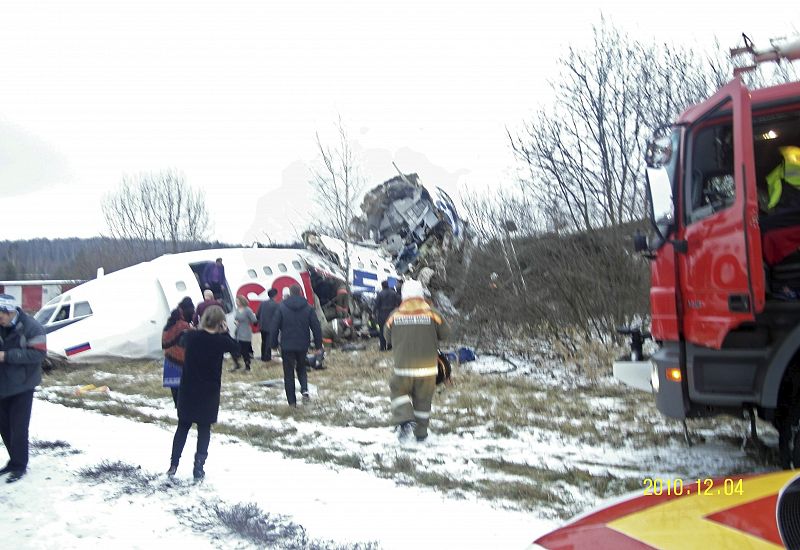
(465, 355)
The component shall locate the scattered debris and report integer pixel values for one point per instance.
(91, 388)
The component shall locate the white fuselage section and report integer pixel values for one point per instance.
(122, 314)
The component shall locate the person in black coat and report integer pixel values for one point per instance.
(23, 348)
(292, 323)
(386, 302)
(198, 396)
(266, 311)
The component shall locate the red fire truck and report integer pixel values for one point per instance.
(725, 258)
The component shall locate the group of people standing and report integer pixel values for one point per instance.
(195, 341)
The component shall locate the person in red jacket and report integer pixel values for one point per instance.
(208, 300)
(172, 345)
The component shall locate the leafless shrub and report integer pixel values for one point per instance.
(592, 358)
(592, 281)
(127, 479)
(248, 521)
(58, 447)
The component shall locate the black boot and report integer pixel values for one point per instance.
(199, 461)
(174, 460)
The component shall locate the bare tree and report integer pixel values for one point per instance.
(157, 207)
(581, 158)
(337, 185)
(498, 217)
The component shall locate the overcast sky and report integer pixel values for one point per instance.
(231, 94)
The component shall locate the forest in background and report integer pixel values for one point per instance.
(76, 259)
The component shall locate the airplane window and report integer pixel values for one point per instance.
(44, 315)
(296, 264)
(385, 270)
(180, 285)
(67, 298)
(360, 265)
(82, 309)
(267, 270)
(282, 268)
(62, 314)
(252, 273)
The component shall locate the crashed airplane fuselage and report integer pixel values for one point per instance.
(122, 314)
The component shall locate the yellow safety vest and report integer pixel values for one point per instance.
(788, 170)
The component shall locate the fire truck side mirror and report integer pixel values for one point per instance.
(659, 149)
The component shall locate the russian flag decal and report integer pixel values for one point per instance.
(77, 349)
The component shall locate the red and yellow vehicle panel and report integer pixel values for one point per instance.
(735, 512)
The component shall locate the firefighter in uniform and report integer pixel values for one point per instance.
(414, 330)
(783, 183)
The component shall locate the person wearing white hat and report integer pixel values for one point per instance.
(23, 347)
(414, 330)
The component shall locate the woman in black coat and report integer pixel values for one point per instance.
(198, 397)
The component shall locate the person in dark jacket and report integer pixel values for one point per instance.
(187, 308)
(266, 311)
(214, 277)
(291, 325)
(23, 347)
(198, 396)
(385, 303)
(208, 300)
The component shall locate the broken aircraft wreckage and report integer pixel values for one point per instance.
(415, 227)
(413, 232)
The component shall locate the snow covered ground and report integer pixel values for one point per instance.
(55, 507)
(517, 446)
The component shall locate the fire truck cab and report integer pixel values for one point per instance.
(725, 260)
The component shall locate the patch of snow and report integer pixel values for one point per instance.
(52, 507)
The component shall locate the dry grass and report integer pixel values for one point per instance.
(353, 392)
